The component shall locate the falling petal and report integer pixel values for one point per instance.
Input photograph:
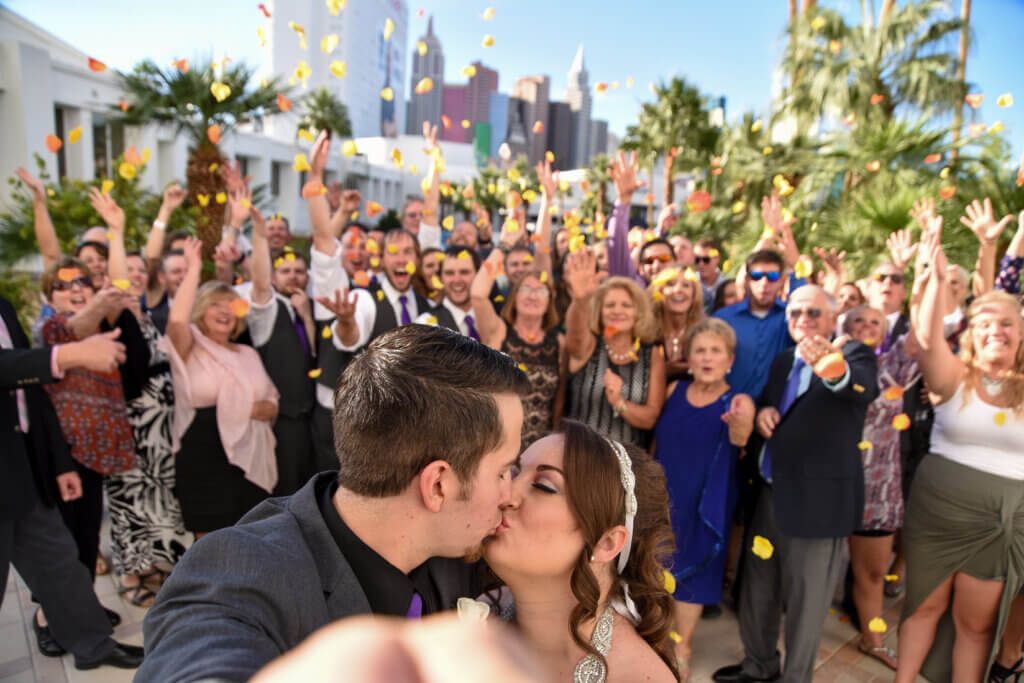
(302, 33)
(668, 580)
(126, 170)
(756, 126)
(421, 48)
(335, 6)
(974, 101)
(1000, 418)
(372, 209)
(944, 173)
(261, 36)
(901, 422)
(106, 186)
(221, 91)
(263, 8)
(54, 143)
(213, 133)
(996, 128)
(240, 307)
(762, 547)
(466, 123)
(182, 65)
(505, 152)
(204, 199)
(767, 150)
(933, 158)
(329, 42)
(410, 267)
(469, 71)
(123, 104)
(818, 23)
(947, 192)
(738, 206)
(349, 149)
(301, 163)
(221, 198)
(306, 135)
(445, 121)
(448, 223)
(550, 156)
(873, 166)
(877, 625)
(538, 127)
(315, 372)
(850, 118)
(600, 87)
(74, 134)
(1005, 100)
(975, 129)
(387, 94)
(865, 445)
(424, 86)
(96, 65)
(488, 41)
(389, 28)
(834, 46)
(877, 99)
(893, 393)
(488, 14)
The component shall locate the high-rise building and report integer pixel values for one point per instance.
(578, 97)
(455, 107)
(426, 107)
(560, 135)
(534, 91)
(478, 96)
(499, 107)
(598, 139)
(372, 61)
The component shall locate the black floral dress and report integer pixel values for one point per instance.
(541, 362)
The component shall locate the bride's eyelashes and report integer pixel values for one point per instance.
(544, 487)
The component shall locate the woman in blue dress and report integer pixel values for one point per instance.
(698, 441)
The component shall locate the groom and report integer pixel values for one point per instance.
(426, 426)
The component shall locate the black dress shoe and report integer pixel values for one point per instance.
(734, 674)
(114, 617)
(123, 656)
(44, 639)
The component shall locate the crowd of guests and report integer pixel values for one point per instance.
(771, 424)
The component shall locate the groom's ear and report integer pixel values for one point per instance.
(610, 544)
(435, 485)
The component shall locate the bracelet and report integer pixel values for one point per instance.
(159, 224)
(621, 408)
(502, 248)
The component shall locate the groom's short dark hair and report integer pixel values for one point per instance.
(419, 393)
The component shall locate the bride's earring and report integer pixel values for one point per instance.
(591, 558)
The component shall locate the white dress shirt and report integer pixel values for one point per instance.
(326, 274)
(366, 312)
(429, 318)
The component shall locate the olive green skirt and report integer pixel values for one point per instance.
(960, 519)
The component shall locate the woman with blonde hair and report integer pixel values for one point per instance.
(616, 377)
(224, 404)
(965, 551)
(678, 306)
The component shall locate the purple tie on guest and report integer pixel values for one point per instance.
(472, 328)
(789, 395)
(300, 329)
(406, 318)
(415, 607)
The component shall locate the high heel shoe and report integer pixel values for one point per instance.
(999, 673)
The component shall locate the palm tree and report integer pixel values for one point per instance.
(597, 176)
(194, 100)
(323, 111)
(871, 70)
(961, 70)
(639, 139)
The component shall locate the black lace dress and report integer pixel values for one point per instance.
(541, 361)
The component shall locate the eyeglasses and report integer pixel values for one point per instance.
(64, 285)
(772, 275)
(896, 278)
(652, 259)
(541, 292)
(702, 259)
(795, 313)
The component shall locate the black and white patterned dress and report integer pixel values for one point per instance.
(146, 526)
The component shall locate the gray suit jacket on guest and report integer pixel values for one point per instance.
(246, 594)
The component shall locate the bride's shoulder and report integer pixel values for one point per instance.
(633, 659)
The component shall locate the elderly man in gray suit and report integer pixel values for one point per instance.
(426, 426)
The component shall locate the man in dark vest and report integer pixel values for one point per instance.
(281, 324)
(458, 268)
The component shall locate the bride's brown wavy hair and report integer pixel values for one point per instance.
(597, 500)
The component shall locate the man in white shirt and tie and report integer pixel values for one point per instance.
(458, 268)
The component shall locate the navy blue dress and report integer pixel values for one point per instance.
(692, 445)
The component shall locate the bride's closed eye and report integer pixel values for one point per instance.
(543, 486)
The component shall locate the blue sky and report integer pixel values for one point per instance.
(726, 47)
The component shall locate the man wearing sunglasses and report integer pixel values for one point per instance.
(655, 256)
(759, 321)
(812, 492)
(888, 292)
(706, 258)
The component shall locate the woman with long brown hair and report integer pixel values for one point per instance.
(678, 306)
(584, 541)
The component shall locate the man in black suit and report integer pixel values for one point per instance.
(37, 470)
(813, 492)
(416, 494)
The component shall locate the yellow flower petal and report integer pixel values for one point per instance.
(738, 206)
(336, 6)
(488, 14)
(74, 134)
(301, 163)
(676, 638)
(106, 186)
(892, 578)
(762, 547)
(349, 149)
(448, 223)
(410, 267)
(1000, 418)
(488, 41)
(306, 135)
(865, 445)
(338, 68)
(756, 126)
(1005, 100)
(469, 71)
(316, 372)
(329, 42)
(221, 91)
(421, 47)
(123, 285)
(380, 295)
(877, 625)
(997, 127)
(221, 198)
(126, 170)
(818, 23)
(669, 580)
(389, 28)
(387, 94)
(326, 334)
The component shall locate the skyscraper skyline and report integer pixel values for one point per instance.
(577, 95)
(427, 106)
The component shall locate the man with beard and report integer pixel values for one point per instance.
(706, 257)
(370, 538)
(280, 321)
(458, 268)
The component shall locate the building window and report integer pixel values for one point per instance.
(107, 144)
(62, 162)
(302, 181)
(275, 179)
(243, 165)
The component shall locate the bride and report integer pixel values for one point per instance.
(581, 548)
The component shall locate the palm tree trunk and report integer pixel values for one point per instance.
(650, 199)
(201, 181)
(809, 4)
(792, 11)
(886, 11)
(669, 188)
(961, 75)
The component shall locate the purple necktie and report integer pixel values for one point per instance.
(300, 329)
(472, 328)
(406, 318)
(415, 607)
(789, 395)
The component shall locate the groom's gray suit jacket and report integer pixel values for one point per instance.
(246, 594)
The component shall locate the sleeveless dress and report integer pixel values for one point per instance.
(692, 446)
(587, 402)
(541, 361)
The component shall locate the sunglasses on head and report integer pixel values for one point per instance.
(772, 275)
(795, 313)
(654, 258)
(896, 278)
(64, 285)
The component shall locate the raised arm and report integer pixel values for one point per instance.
(779, 235)
(261, 267)
(982, 222)
(549, 190)
(113, 216)
(324, 238)
(581, 275)
(492, 328)
(46, 236)
(833, 262)
(942, 370)
(432, 196)
(180, 316)
(1008, 279)
(623, 173)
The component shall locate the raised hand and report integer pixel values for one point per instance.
(232, 177)
(350, 201)
(429, 137)
(193, 252)
(771, 213)
(174, 195)
(318, 156)
(33, 183)
(581, 273)
(483, 222)
(109, 211)
(238, 207)
(931, 249)
(343, 306)
(787, 244)
(667, 218)
(832, 261)
(259, 223)
(902, 247)
(548, 180)
(227, 253)
(623, 174)
(982, 222)
(923, 211)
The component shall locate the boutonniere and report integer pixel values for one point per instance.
(469, 609)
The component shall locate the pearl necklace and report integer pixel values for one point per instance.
(993, 387)
(623, 357)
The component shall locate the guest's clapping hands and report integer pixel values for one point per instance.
(612, 387)
(740, 419)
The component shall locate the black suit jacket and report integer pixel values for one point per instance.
(248, 593)
(30, 462)
(817, 475)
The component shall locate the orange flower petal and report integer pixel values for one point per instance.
(96, 65)
(974, 100)
(893, 393)
(263, 8)
(933, 158)
(901, 422)
(313, 189)
(68, 274)
(213, 133)
(54, 143)
(947, 192)
(446, 121)
(283, 103)
(240, 307)
(877, 99)
(538, 126)
(361, 278)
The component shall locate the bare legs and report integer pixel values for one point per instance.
(869, 558)
(687, 615)
(1013, 635)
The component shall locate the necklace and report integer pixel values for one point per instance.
(676, 344)
(530, 337)
(623, 357)
(993, 387)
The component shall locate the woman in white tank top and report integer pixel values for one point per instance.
(964, 528)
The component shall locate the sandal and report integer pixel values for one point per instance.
(102, 568)
(884, 654)
(999, 673)
(155, 576)
(893, 589)
(139, 595)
